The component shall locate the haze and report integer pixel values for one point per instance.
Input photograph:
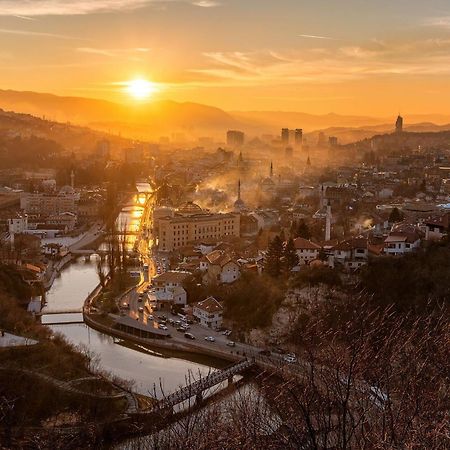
(348, 57)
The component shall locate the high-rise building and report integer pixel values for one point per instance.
(332, 141)
(289, 152)
(235, 138)
(399, 124)
(298, 137)
(285, 136)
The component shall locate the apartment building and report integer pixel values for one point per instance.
(191, 224)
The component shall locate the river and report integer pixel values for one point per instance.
(129, 362)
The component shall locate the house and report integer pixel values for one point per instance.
(436, 227)
(352, 253)
(401, 240)
(208, 313)
(167, 289)
(219, 267)
(307, 251)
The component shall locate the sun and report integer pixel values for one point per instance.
(141, 89)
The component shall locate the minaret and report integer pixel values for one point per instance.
(72, 179)
(308, 161)
(239, 189)
(271, 169)
(328, 223)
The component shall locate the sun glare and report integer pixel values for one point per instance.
(141, 89)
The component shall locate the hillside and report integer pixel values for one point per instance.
(137, 121)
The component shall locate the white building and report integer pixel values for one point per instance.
(208, 313)
(18, 224)
(219, 267)
(307, 251)
(401, 241)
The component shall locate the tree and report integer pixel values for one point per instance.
(290, 257)
(273, 259)
(303, 230)
(395, 216)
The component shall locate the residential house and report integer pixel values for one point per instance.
(352, 253)
(307, 251)
(208, 313)
(401, 240)
(436, 227)
(219, 267)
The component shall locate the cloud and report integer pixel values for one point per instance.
(313, 36)
(31, 8)
(206, 3)
(317, 66)
(38, 34)
(438, 22)
(114, 52)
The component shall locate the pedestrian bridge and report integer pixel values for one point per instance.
(197, 388)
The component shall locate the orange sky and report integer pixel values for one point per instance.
(343, 56)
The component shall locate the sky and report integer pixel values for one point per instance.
(362, 57)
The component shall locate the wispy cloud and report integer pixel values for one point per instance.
(438, 22)
(113, 52)
(314, 36)
(31, 8)
(38, 34)
(206, 3)
(24, 18)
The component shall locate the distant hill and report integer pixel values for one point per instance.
(347, 135)
(165, 118)
(139, 120)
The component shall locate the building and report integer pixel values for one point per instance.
(191, 223)
(219, 267)
(44, 204)
(402, 240)
(208, 313)
(18, 224)
(285, 136)
(333, 141)
(235, 138)
(436, 227)
(298, 137)
(306, 250)
(66, 219)
(352, 253)
(168, 289)
(399, 124)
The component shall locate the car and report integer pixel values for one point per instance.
(292, 355)
(210, 339)
(140, 299)
(264, 352)
(231, 344)
(290, 359)
(189, 336)
(141, 309)
(162, 327)
(181, 330)
(185, 326)
(150, 317)
(228, 332)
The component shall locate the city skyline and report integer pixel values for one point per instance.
(347, 58)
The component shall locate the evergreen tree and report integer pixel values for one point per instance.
(290, 257)
(303, 230)
(273, 259)
(395, 216)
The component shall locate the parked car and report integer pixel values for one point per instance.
(141, 309)
(181, 330)
(264, 352)
(210, 339)
(290, 359)
(189, 336)
(231, 344)
(150, 317)
(162, 327)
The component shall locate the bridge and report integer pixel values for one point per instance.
(42, 312)
(197, 388)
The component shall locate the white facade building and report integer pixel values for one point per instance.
(209, 313)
